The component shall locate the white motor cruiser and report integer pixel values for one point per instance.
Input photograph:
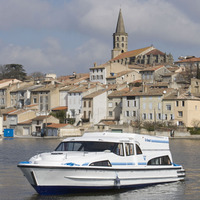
(103, 160)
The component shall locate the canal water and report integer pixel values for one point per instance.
(14, 186)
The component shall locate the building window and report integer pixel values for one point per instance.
(150, 116)
(159, 106)
(165, 116)
(110, 113)
(168, 107)
(110, 104)
(34, 100)
(127, 113)
(183, 103)
(128, 103)
(180, 123)
(134, 104)
(46, 99)
(134, 113)
(171, 116)
(84, 104)
(41, 99)
(180, 113)
(176, 103)
(144, 116)
(89, 103)
(150, 106)
(159, 116)
(46, 107)
(84, 115)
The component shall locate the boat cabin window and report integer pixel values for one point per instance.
(163, 160)
(129, 149)
(105, 163)
(91, 146)
(138, 150)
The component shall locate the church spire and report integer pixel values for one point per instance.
(120, 29)
(120, 37)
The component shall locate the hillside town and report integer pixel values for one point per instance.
(136, 88)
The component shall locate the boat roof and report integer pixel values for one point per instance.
(145, 141)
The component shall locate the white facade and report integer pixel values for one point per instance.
(74, 103)
(63, 98)
(130, 109)
(99, 107)
(98, 75)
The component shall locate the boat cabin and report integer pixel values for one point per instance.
(131, 149)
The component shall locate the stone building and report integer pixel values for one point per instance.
(145, 56)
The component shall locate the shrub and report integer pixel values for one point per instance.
(194, 131)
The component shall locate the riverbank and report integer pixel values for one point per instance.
(178, 135)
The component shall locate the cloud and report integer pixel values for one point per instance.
(49, 58)
(65, 36)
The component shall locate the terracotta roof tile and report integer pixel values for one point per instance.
(94, 94)
(188, 60)
(116, 75)
(26, 122)
(129, 54)
(59, 108)
(42, 117)
(54, 125)
(17, 112)
(155, 52)
(152, 68)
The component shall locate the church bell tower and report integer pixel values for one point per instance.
(120, 38)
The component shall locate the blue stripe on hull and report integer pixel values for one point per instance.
(60, 190)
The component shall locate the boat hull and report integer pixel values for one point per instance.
(48, 180)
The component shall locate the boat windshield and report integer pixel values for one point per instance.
(91, 146)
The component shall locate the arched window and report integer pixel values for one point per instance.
(117, 38)
(122, 45)
(122, 38)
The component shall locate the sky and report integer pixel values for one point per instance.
(66, 36)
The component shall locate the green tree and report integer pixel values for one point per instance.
(12, 71)
(61, 115)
